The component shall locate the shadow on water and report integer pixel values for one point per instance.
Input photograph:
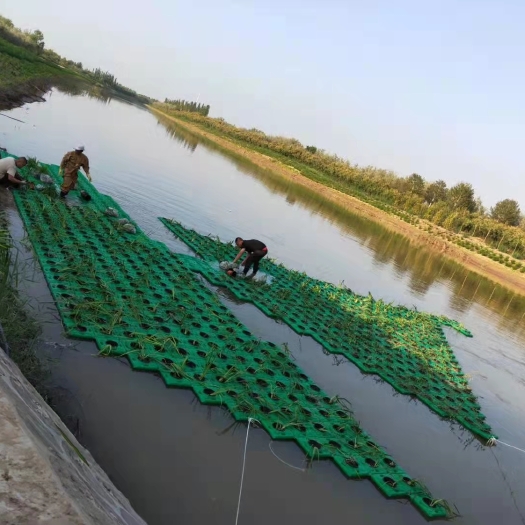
(422, 267)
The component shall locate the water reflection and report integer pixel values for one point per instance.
(74, 87)
(422, 267)
(188, 140)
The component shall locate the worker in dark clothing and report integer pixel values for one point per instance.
(256, 251)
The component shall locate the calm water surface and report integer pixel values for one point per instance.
(167, 453)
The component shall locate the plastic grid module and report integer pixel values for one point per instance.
(406, 348)
(137, 300)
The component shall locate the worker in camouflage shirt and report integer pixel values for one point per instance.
(71, 163)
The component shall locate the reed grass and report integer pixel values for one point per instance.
(20, 330)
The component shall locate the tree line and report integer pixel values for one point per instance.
(456, 208)
(184, 105)
(34, 41)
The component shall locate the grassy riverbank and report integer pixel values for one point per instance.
(19, 65)
(28, 69)
(24, 76)
(471, 252)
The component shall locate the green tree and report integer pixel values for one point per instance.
(311, 149)
(184, 105)
(480, 208)
(416, 184)
(38, 38)
(6, 22)
(461, 196)
(436, 192)
(506, 211)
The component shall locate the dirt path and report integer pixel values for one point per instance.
(473, 261)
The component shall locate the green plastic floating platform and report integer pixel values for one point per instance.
(135, 298)
(406, 348)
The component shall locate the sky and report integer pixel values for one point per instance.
(433, 87)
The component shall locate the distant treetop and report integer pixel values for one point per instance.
(185, 105)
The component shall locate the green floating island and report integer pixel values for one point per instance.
(135, 298)
(406, 348)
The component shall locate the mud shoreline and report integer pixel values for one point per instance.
(30, 91)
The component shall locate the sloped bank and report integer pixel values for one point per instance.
(46, 475)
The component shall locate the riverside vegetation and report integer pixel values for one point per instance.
(24, 61)
(19, 331)
(453, 214)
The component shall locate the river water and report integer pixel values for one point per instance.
(179, 462)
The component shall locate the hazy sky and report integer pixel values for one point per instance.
(433, 87)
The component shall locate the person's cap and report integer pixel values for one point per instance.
(79, 148)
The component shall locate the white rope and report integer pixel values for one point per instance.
(250, 419)
(492, 441)
(282, 460)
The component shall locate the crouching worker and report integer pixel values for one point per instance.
(8, 171)
(256, 251)
(71, 163)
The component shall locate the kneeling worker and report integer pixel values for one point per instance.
(71, 163)
(256, 250)
(8, 173)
